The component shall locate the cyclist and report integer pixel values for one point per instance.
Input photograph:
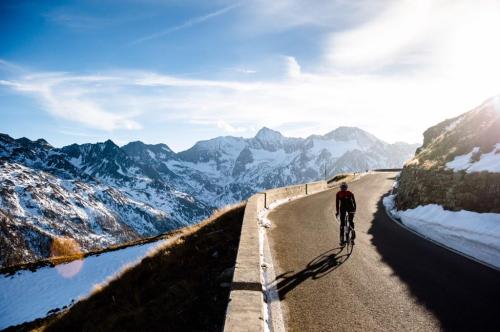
(345, 203)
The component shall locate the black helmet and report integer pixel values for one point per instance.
(343, 185)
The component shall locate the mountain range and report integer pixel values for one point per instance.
(102, 194)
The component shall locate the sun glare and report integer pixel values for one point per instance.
(474, 52)
(67, 247)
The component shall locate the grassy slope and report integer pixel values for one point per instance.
(477, 128)
(183, 287)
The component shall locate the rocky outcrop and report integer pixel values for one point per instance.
(453, 190)
(427, 179)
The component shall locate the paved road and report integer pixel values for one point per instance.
(392, 281)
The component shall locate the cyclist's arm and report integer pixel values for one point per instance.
(354, 202)
(337, 201)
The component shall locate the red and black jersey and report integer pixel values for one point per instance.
(345, 201)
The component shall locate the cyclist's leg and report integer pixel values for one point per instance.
(351, 223)
(342, 225)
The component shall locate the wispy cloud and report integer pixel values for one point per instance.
(245, 70)
(10, 67)
(80, 21)
(74, 98)
(187, 24)
(77, 21)
(280, 15)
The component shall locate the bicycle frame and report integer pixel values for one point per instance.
(348, 229)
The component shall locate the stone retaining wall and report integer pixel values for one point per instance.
(455, 191)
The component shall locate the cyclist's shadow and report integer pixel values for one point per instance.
(317, 268)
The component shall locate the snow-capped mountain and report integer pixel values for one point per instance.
(227, 169)
(101, 194)
(93, 193)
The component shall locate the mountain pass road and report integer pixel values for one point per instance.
(391, 280)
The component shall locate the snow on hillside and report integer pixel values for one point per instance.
(102, 193)
(37, 207)
(475, 162)
(228, 169)
(27, 295)
(472, 233)
(335, 148)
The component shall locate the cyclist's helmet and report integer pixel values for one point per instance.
(343, 186)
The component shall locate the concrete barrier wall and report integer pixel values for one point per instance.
(274, 195)
(315, 187)
(246, 300)
(244, 312)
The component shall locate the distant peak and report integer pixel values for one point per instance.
(346, 129)
(266, 134)
(139, 146)
(138, 143)
(24, 140)
(110, 143)
(43, 142)
(348, 132)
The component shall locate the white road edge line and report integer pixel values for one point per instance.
(273, 313)
(400, 223)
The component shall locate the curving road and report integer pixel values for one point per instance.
(392, 281)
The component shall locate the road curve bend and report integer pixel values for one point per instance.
(392, 280)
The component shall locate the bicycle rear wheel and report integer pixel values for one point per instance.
(347, 231)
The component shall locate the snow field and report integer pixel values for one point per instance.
(28, 295)
(472, 233)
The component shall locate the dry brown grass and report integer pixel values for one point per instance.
(181, 286)
(64, 246)
(341, 177)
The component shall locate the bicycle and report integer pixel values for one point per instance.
(349, 232)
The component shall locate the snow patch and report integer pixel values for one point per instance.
(151, 154)
(454, 124)
(472, 233)
(487, 162)
(335, 148)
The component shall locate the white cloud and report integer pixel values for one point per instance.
(293, 67)
(245, 70)
(230, 128)
(382, 40)
(445, 38)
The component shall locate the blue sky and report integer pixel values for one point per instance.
(181, 71)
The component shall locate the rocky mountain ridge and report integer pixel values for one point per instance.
(102, 194)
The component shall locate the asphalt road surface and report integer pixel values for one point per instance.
(392, 280)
